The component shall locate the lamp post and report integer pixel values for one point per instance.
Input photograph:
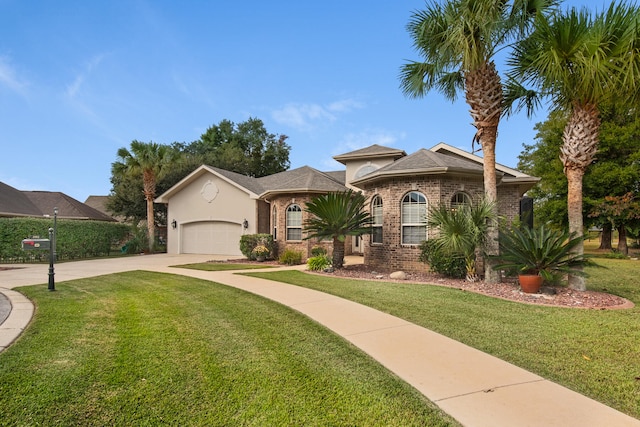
(52, 250)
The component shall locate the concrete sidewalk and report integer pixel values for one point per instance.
(475, 388)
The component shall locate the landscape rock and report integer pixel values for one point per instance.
(398, 275)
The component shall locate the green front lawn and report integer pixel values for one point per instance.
(594, 352)
(142, 348)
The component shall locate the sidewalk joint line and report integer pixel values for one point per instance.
(489, 390)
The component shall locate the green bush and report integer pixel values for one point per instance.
(248, 242)
(318, 251)
(442, 262)
(291, 257)
(75, 239)
(318, 263)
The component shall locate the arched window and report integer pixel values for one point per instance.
(365, 170)
(294, 223)
(414, 218)
(376, 224)
(274, 223)
(460, 199)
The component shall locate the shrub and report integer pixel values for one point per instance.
(291, 257)
(248, 242)
(442, 262)
(318, 251)
(615, 254)
(318, 263)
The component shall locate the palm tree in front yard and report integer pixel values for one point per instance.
(458, 41)
(462, 231)
(335, 216)
(152, 161)
(579, 62)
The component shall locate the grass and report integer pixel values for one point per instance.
(594, 352)
(142, 348)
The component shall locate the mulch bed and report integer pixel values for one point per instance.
(552, 296)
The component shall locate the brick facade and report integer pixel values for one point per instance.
(279, 228)
(391, 253)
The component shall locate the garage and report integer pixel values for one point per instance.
(211, 237)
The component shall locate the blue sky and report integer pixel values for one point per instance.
(80, 79)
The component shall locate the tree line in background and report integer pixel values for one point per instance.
(146, 170)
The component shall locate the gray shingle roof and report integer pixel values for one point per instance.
(424, 162)
(303, 179)
(372, 151)
(68, 207)
(14, 202)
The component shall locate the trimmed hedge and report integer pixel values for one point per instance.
(75, 239)
(249, 241)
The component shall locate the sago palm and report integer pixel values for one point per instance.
(458, 41)
(462, 231)
(335, 216)
(579, 62)
(150, 160)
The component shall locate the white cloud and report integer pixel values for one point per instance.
(9, 77)
(74, 88)
(307, 116)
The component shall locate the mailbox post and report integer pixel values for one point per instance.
(52, 281)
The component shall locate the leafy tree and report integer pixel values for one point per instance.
(458, 41)
(462, 231)
(337, 215)
(149, 160)
(621, 212)
(245, 148)
(579, 62)
(614, 172)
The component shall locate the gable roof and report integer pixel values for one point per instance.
(301, 180)
(423, 162)
(509, 175)
(370, 152)
(242, 182)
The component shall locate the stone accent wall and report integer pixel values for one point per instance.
(391, 253)
(281, 203)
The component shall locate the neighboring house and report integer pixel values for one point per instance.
(38, 204)
(212, 208)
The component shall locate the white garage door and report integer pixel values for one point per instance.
(211, 237)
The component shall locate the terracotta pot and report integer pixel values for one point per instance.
(530, 283)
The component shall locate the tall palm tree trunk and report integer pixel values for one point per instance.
(149, 185)
(580, 144)
(485, 97)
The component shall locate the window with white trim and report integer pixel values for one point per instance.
(294, 222)
(376, 224)
(414, 218)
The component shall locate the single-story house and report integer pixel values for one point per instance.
(211, 208)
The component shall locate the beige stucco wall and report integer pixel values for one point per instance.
(353, 166)
(199, 202)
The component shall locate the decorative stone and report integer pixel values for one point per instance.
(398, 275)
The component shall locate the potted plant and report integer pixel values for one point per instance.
(260, 252)
(539, 254)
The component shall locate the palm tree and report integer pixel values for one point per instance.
(462, 231)
(337, 215)
(579, 62)
(458, 41)
(152, 161)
